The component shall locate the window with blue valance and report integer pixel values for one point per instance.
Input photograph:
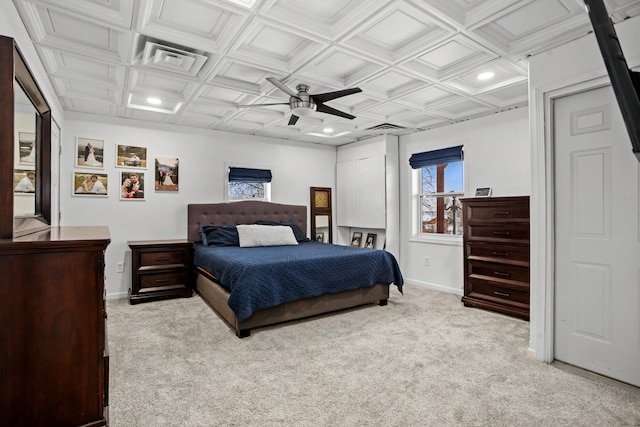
(249, 175)
(436, 157)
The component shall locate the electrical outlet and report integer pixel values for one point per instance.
(120, 267)
(427, 261)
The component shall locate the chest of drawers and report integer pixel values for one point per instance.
(496, 254)
(160, 269)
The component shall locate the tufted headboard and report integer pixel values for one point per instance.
(244, 212)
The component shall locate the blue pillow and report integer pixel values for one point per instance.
(299, 234)
(219, 235)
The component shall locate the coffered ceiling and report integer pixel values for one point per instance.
(416, 61)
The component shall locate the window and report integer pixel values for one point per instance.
(249, 184)
(440, 186)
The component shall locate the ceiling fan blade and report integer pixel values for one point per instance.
(277, 83)
(262, 105)
(293, 120)
(328, 96)
(329, 110)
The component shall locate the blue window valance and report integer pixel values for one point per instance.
(436, 157)
(249, 175)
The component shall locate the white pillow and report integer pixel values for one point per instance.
(265, 235)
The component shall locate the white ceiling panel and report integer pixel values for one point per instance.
(208, 61)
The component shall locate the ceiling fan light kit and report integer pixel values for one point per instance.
(303, 104)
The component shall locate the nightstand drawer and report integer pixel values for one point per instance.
(495, 292)
(162, 280)
(161, 258)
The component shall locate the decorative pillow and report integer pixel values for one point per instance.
(299, 234)
(252, 235)
(226, 235)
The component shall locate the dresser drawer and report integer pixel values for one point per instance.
(498, 252)
(494, 292)
(162, 258)
(498, 271)
(498, 211)
(498, 232)
(160, 280)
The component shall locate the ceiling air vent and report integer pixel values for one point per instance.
(386, 126)
(160, 55)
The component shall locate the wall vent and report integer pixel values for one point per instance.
(386, 126)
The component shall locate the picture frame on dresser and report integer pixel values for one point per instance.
(483, 192)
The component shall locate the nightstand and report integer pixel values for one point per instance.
(160, 269)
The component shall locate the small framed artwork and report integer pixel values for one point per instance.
(24, 181)
(371, 241)
(90, 184)
(483, 191)
(27, 147)
(320, 237)
(129, 156)
(166, 174)
(132, 185)
(356, 239)
(89, 153)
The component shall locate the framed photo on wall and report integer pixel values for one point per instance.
(132, 185)
(27, 148)
(356, 239)
(89, 153)
(166, 170)
(129, 156)
(90, 184)
(24, 181)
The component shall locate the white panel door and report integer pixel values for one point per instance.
(597, 226)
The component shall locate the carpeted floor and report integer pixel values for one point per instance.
(423, 360)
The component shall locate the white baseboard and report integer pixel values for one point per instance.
(118, 295)
(433, 286)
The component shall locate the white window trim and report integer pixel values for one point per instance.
(227, 165)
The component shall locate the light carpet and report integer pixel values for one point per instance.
(422, 360)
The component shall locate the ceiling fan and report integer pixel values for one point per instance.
(303, 103)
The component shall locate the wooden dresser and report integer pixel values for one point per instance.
(160, 269)
(496, 254)
(54, 363)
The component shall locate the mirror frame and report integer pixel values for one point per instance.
(321, 210)
(14, 70)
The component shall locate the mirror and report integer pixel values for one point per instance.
(25, 146)
(321, 224)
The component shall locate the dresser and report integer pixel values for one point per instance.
(496, 254)
(54, 362)
(160, 269)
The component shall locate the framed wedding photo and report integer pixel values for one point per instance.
(483, 192)
(129, 156)
(132, 185)
(356, 239)
(320, 237)
(89, 153)
(371, 241)
(90, 184)
(166, 169)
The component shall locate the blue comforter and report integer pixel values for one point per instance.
(263, 277)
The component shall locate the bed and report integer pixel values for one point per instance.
(293, 282)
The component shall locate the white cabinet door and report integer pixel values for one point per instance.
(361, 192)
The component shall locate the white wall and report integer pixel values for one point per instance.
(202, 155)
(496, 154)
(573, 67)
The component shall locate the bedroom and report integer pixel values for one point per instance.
(518, 170)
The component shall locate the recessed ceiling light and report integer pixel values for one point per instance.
(327, 130)
(486, 75)
(154, 101)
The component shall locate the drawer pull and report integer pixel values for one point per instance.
(501, 254)
(501, 274)
(502, 213)
(164, 258)
(161, 280)
(502, 294)
(500, 233)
